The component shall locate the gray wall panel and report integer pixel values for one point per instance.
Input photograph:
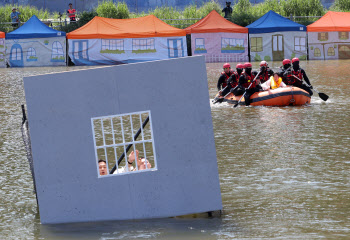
(60, 108)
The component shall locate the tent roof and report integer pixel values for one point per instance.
(331, 22)
(273, 22)
(2, 35)
(34, 28)
(148, 26)
(214, 22)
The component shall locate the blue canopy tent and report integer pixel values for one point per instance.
(35, 44)
(273, 38)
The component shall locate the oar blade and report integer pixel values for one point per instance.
(236, 104)
(218, 100)
(323, 96)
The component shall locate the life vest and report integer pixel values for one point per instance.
(299, 75)
(235, 78)
(275, 84)
(248, 80)
(72, 18)
(226, 75)
(264, 76)
(288, 80)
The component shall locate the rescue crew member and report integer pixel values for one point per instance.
(285, 71)
(222, 82)
(71, 13)
(274, 82)
(265, 72)
(232, 81)
(245, 80)
(300, 73)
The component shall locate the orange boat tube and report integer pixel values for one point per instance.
(288, 96)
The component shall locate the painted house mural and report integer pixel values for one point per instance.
(328, 37)
(218, 39)
(274, 38)
(117, 41)
(35, 44)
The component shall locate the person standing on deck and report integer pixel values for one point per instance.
(71, 12)
(227, 10)
(15, 17)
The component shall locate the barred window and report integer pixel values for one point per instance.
(124, 143)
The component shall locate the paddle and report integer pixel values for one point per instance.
(323, 96)
(220, 100)
(217, 99)
(246, 90)
(130, 145)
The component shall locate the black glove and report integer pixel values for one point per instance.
(311, 87)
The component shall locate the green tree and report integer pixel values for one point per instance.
(108, 9)
(243, 13)
(341, 6)
(302, 7)
(210, 6)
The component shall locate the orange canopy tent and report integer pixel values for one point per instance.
(213, 23)
(2, 35)
(331, 22)
(143, 27)
(218, 39)
(119, 41)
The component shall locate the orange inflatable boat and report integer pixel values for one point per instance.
(288, 96)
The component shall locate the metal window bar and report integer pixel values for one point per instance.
(104, 144)
(115, 148)
(124, 142)
(125, 155)
(143, 138)
(96, 156)
(132, 134)
(154, 153)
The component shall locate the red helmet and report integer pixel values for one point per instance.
(295, 60)
(239, 65)
(286, 61)
(247, 65)
(227, 65)
(263, 64)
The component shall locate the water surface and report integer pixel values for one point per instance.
(284, 171)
